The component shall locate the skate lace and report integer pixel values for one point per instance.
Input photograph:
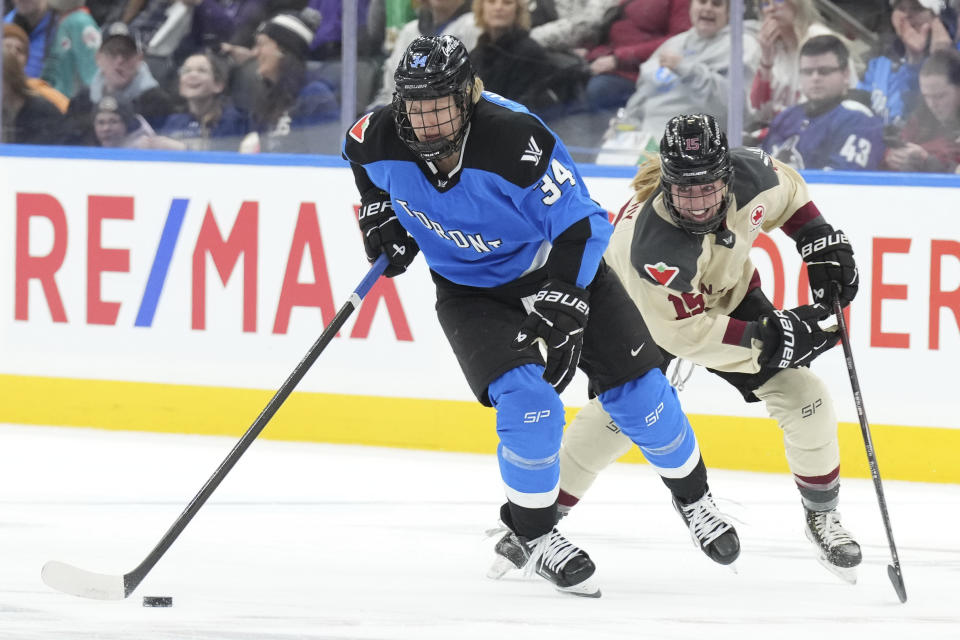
(828, 528)
(678, 378)
(705, 520)
(553, 550)
(497, 531)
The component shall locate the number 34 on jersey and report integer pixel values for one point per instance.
(552, 185)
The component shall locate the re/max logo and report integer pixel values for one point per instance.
(239, 246)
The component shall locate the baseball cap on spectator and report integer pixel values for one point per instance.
(293, 32)
(117, 37)
(936, 6)
(11, 30)
(110, 104)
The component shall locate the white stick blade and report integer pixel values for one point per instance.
(79, 582)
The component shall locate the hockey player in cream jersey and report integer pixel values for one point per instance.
(681, 248)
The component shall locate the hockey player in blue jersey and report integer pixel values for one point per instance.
(829, 130)
(514, 244)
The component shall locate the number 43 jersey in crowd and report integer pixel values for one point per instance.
(846, 136)
(686, 285)
(494, 219)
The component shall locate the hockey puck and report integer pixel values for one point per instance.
(157, 601)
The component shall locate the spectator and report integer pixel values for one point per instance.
(578, 25)
(688, 72)
(210, 121)
(785, 26)
(509, 62)
(828, 130)
(16, 44)
(541, 12)
(436, 17)
(891, 76)
(36, 19)
(27, 118)
(636, 29)
(326, 43)
(71, 63)
(930, 140)
(121, 73)
(290, 111)
(105, 11)
(174, 29)
(115, 125)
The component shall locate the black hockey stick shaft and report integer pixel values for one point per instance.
(893, 570)
(132, 579)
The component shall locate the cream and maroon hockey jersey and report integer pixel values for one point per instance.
(685, 285)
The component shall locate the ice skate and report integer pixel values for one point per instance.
(562, 563)
(509, 553)
(836, 548)
(710, 529)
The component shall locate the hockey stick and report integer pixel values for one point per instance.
(86, 584)
(893, 570)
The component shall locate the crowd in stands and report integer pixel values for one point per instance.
(265, 75)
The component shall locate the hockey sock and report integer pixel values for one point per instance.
(691, 487)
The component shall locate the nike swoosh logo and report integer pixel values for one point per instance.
(634, 352)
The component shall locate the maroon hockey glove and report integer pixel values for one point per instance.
(559, 317)
(793, 337)
(830, 264)
(383, 233)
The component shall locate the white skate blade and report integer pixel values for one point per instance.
(586, 589)
(847, 574)
(500, 567)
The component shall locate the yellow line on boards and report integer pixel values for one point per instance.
(753, 444)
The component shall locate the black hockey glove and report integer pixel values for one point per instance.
(793, 337)
(383, 233)
(830, 264)
(559, 316)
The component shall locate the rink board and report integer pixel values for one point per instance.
(727, 442)
(149, 292)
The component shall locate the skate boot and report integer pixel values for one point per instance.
(560, 562)
(836, 548)
(509, 551)
(710, 529)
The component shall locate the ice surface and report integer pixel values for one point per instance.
(308, 541)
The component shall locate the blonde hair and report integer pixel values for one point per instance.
(477, 89)
(807, 14)
(521, 20)
(647, 180)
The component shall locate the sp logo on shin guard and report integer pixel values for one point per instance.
(811, 408)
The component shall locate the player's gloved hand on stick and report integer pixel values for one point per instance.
(383, 233)
(830, 264)
(795, 337)
(559, 317)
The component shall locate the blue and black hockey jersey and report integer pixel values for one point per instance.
(496, 218)
(846, 137)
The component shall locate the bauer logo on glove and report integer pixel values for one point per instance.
(830, 264)
(795, 337)
(560, 297)
(835, 239)
(559, 316)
